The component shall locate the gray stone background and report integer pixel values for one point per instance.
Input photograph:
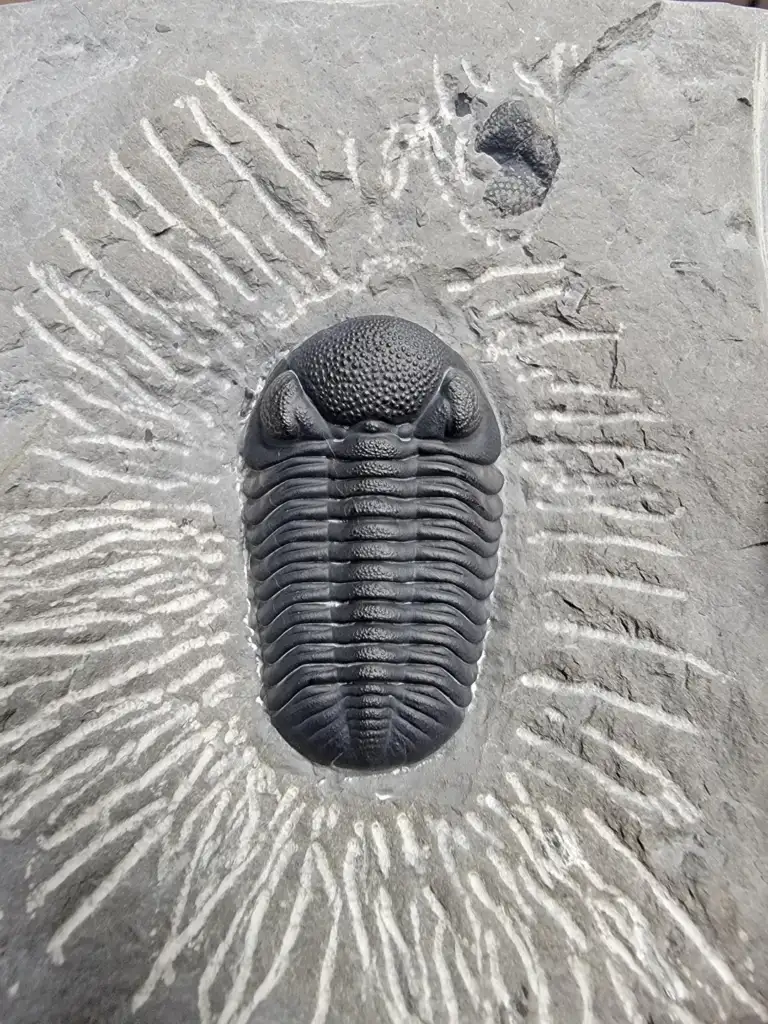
(185, 194)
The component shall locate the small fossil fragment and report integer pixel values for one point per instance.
(527, 156)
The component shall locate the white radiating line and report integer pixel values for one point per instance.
(498, 273)
(500, 991)
(350, 153)
(536, 978)
(521, 378)
(379, 838)
(69, 414)
(276, 212)
(463, 179)
(607, 448)
(574, 631)
(117, 442)
(142, 402)
(97, 401)
(758, 127)
(558, 914)
(529, 299)
(353, 902)
(411, 849)
(403, 165)
(617, 582)
(390, 973)
(105, 804)
(601, 540)
(77, 650)
(323, 866)
(211, 825)
(552, 473)
(172, 549)
(95, 473)
(625, 996)
(105, 685)
(30, 681)
(184, 271)
(678, 914)
(210, 255)
(49, 789)
(609, 922)
(569, 337)
(279, 849)
(441, 92)
(507, 878)
(68, 623)
(127, 294)
(219, 690)
(562, 387)
(595, 418)
(127, 505)
(115, 323)
(644, 803)
(671, 792)
(104, 890)
(597, 508)
(474, 79)
(541, 681)
(271, 143)
(532, 84)
(581, 973)
(386, 160)
(282, 959)
(177, 943)
(158, 527)
(83, 856)
(55, 486)
(325, 978)
(385, 917)
(189, 827)
(516, 828)
(425, 988)
(438, 959)
(247, 959)
(200, 199)
(444, 836)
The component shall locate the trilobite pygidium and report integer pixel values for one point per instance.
(372, 522)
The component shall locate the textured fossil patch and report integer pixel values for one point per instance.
(527, 156)
(372, 525)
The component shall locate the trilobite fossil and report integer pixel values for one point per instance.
(372, 525)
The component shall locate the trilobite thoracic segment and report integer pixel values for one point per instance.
(372, 524)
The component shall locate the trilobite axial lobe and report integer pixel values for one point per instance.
(372, 524)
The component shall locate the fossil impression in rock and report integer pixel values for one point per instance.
(372, 523)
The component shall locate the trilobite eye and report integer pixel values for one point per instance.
(286, 413)
(455, 411)
(463, 405)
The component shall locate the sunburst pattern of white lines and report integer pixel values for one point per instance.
(122, 747)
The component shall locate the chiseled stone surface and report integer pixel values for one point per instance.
(187, 193)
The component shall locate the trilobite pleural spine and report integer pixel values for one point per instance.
(372, 524)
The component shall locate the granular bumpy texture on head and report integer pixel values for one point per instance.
(373, 367)
(527, 156)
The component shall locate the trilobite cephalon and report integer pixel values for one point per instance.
(372, 524)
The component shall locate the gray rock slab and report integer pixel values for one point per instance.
(190, 190)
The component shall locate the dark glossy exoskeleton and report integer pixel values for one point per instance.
(372, 523)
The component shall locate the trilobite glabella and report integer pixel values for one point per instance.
(372, 524)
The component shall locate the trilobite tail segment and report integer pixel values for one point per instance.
(372, 522)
